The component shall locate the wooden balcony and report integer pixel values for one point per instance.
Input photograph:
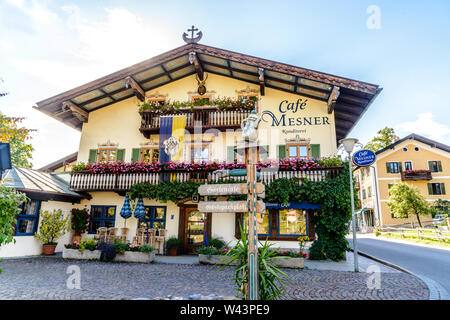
(203, 117)
(86, 181)
(418, 175)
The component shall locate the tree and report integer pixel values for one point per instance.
(441, 207)
(10, 201)
(383, 138)
(17, 136)
(405, 200)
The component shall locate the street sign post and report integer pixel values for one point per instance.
(229, 206)
(228, 189)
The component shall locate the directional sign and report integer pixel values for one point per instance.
(364, 158)
(227, 189)
(229, 206)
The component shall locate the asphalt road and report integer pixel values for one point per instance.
(429, 262)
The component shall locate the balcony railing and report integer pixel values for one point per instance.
(86, 181)
(204, 118)
(416, 175)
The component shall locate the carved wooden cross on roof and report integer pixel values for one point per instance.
(192, 39)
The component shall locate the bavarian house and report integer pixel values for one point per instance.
(155, 129)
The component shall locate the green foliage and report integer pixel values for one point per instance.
(87, 243)
(217, 243)
(146, 248)
(270, 278)
(383, 138)
(174, 242)
(53, 226)
(335, 161)
(208, 251)
(440, 207)
(331, 223)
(80, 220)
(405, 199)
(164, 191)
(10, 201)
(17, 136)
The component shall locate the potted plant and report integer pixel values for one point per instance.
(53, 226)
(173, 246)
(79, 222)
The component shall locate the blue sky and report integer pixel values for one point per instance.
(47, 47)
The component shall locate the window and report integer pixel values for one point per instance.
(262, 223)
(200, 152)
(149, 155)
(362, 174)
(107, 155)
(416, 149)
(393, 167)
(364, 194)
(155, 217)
(436, 188)
(369, 192)
(408, 165)
(368, 171)
(435, 166)
(292, 222)
(405, 149)
(101, 216)
(27, 220)
(298, 150)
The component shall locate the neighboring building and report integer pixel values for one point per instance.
(414, 160)
(46, 191)
(62, 165)
(304, 114)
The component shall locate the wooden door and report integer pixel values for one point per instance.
(193, 225)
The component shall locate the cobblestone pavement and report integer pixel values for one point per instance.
(45, 278)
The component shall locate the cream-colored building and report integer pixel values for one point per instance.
(414, 160)
(303, 115)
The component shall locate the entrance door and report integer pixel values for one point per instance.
(195, 224)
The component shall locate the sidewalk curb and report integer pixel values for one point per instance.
(437, 292)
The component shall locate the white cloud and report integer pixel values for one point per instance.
(426, 126)
(35, 10)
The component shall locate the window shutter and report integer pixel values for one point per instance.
(281, 152)
(442, 188)
(265, 155)
(430, 188)
(400, 169)
(429, 166)
(388, 168)
(136, 154)
(439, 166)
(230, 153)
(121, 154)
(93, 155)
(315, 151)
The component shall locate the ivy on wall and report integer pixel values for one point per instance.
(331, 222)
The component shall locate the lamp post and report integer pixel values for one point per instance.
(349, 144)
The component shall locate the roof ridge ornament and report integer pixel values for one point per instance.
(192, 39)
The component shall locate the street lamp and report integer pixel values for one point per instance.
(349, 144)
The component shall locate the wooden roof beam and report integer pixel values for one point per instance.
(262, 83)
(193, 59)
(137, 89)
(79, 113)
(334, 95)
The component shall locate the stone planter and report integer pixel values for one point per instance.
(128, 256)
(131, 256)
(85, 255)
(295, 263)
(215, 259)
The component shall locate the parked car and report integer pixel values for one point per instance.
(438, 219)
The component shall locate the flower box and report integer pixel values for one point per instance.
(214, 259)
(128, 256)
(284, 262)
(295, 263)
(133, 256)
(81, 255)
